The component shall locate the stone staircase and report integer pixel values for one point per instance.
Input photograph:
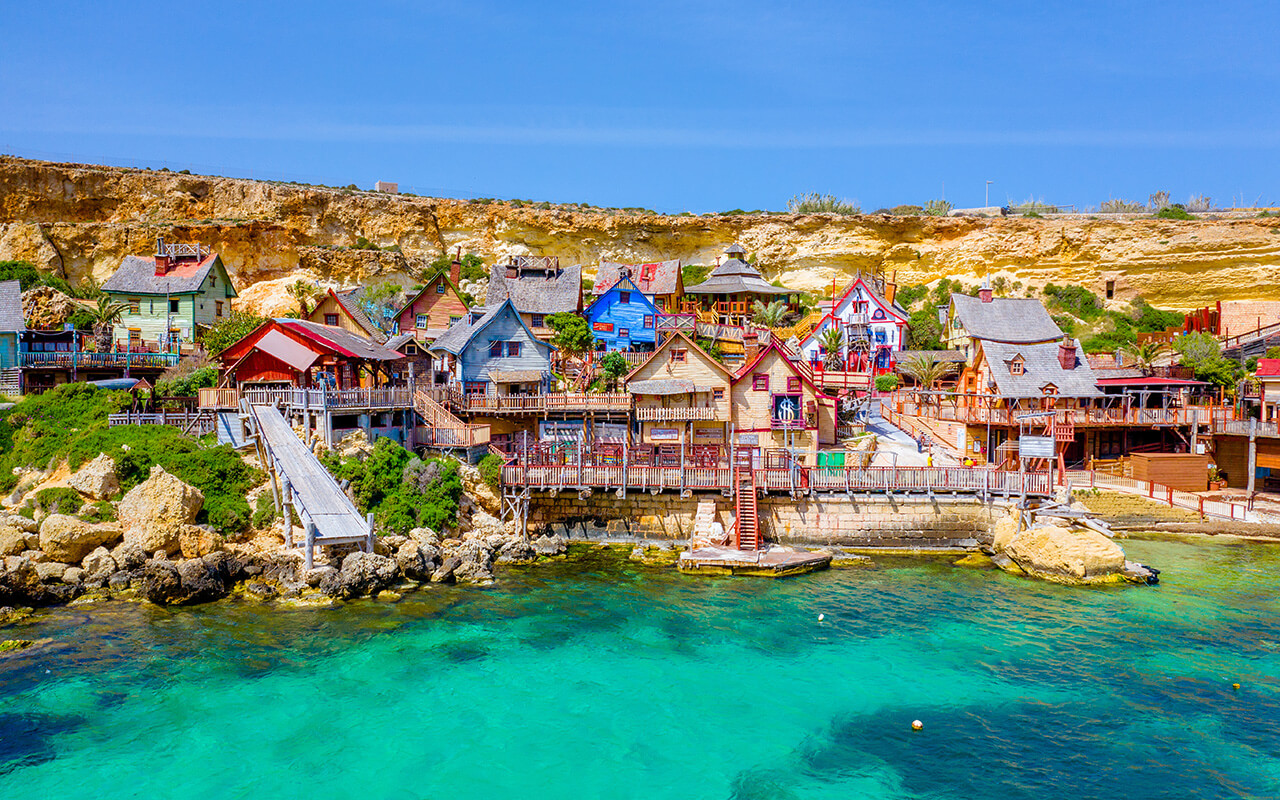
(707, 532)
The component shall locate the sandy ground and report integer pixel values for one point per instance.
(892, 439)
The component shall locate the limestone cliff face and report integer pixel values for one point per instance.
(81, 220)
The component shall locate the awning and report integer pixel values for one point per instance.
(516, 376)
(298, 356)
(661, 387)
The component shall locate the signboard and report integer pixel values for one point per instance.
(1035, 447)
(708, 433)
(560, 430)
(611, 432)
(664, 434)
(752, 439)
(604, 327)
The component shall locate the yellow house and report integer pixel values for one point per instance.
(776, 405)
(681, 395)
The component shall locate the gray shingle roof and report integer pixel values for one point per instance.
(1005, 319)
(1040, 368)
(949, 356)
(350, 299)
(534, 293)
(455, 339)
(137, 275)
(735, 276)
(661, 386)
(665, 280)
(11, 306)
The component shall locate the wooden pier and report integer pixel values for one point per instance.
(774, 562)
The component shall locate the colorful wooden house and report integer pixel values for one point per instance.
(343, 310)
(436, 307)
(11, 324)
(538, 287)
(733, 287)
(681, 395)
(623, 318)
(872, 323)
(170, 296)
(776, 405)
(495, 353)
(299, 353)
(660, 281)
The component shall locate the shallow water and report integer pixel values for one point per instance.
(605, 679)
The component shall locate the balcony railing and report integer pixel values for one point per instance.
(391, 398)
(787, 424)
(78, 359)
(1080, 417)
(537, 403)
(676, 413)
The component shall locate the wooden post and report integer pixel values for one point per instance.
(311, 546)
(368, 521)
(1253, 455)
(287, 513)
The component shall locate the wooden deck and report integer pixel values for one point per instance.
(776, 562)
(300, 481)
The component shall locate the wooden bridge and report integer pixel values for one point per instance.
(300, 484)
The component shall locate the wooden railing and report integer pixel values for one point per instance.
(1219, 509)
(1241, 427)
(187, 421)
(1081, 417)
(319, 399)
(1249, 336)
(219, 398)
(77, 359)
(536, 403)
(675, 414)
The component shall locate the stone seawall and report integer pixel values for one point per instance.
(836, 520)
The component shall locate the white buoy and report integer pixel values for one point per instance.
(917, 725)
(821, 617)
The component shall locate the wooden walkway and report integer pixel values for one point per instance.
(301, 484)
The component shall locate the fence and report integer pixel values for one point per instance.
(187, 421)
(1174, 498)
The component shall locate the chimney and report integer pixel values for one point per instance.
(455, 268)
(891, 288)
(751, 345)
(162, 259)
(1067, 353)
(985, 294)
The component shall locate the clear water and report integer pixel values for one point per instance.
(603, 679)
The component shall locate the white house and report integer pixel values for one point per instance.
(874, 327)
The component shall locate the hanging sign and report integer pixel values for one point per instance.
(664, 434)
(1035, 447)
(711, 434)
(560, 430)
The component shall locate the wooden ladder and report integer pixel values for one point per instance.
(746, 522)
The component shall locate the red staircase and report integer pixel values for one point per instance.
(746, 521)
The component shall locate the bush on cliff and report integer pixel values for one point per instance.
(402, 491)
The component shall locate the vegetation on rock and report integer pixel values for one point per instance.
(402, 491)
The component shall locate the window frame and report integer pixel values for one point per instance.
(759, 381)
(175, 305)
(537, 320)
(421, 321)
(513, 349)
(333, 317)
(794, 385)
(648, 320)
(679, 355)
(135, 305)
(496, 349)
(624, 297)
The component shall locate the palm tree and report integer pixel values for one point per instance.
(832, 340)
(105, 316)
(925, 369)
(1146, 354)
(769, 315)
(304, 293)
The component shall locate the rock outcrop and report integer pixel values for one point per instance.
(69, 539)
(361, 574)
(97, 480)
(155, 513)
(1065, 554)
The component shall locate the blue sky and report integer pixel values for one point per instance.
(672, 106)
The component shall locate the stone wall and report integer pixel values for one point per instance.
(917, 522)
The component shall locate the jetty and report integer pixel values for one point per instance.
(301, 485)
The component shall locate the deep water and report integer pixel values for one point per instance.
(603, 679)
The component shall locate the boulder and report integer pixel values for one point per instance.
(444, 573)
(98, 479)
(13, 540)
(425, 537)
(485, 524)
(476, 562)
(549, 545)
(51, 571)
(196, 542)
(1067, 555)
(361, 574)
(413, 563)
(20, 522)
(354, 445)
(204, 579)
(99, 565)
(69, 539)
(514, 550)
(128, 556)
(155, 512)
(1002, 533)
(73, 576)
(158, 582)
(481, 492)
(20, 583)
(314, 577)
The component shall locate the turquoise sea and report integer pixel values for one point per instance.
(604, 679)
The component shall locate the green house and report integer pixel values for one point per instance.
(170, 297)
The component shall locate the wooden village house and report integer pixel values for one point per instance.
(660, 281)
(681, 396)
(872, 324)
(623, 318)
(538, 287)
(732, 288)
(343, 310)
(776, 405)
(434, 308)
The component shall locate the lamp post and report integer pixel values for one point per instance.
(987, 200)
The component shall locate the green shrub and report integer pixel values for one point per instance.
(402, 491)
(694, 274)
(98, 512)
(59, 500)
(937, 208)
(1075, 300)
(491, 470)
(886, 383)
(231, 330)
(265, 512)
(815, 203)
(205, 377)
(1173, 212)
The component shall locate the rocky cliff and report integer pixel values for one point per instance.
(80, 220)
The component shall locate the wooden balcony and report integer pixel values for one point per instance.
(387, 398)
(1079, 417)
(676, 413)
(787, 424)
(561, 402)
(78, 359)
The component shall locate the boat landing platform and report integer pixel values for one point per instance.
(775, 562)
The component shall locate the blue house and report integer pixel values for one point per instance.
(11, 325)
(493, 352)
(623, 318)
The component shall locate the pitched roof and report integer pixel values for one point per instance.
(791, 363)
(1267, 367)
(735, 276)
(11, 306)
(665, 277)
(350, 301)
(622, 286)
(662, 347)
(460, 334)
(1005, 319)
(948, 356)
(544, 291)
(875, 295)
(659, 386)
(442, 275)
(341, 341)
(137, 275)
(1040, 368)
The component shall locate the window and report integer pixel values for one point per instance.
(513, 348)
(648, 320)
(331, 319)
(793, 384)
(538, 321)
(420, 322)
(624, 297)
(440, 287)
(134, 304)
(717, 394)
(213, 281)
(454, 318)
(173, 306)
(624, 331)
(135, 337)
(475, 387)
(217, 307)
(1016, 367)
(679, 355)
(760, 382)
(495, 350)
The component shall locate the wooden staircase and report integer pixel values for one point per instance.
(10, 381)
(746, 522)
(444, 428)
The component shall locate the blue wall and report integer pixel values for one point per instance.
(535, 354)
(608, 311)
(8, 350)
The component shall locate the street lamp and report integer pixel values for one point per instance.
(987, 201)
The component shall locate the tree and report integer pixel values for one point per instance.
(769, 315)
(926, 369)
(1196, 349)
(380, 304)
(105, 316)
(1147, 353)
(573, 337)
(229, 331)
(612, 367)
(304, 294)
(832, 340)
